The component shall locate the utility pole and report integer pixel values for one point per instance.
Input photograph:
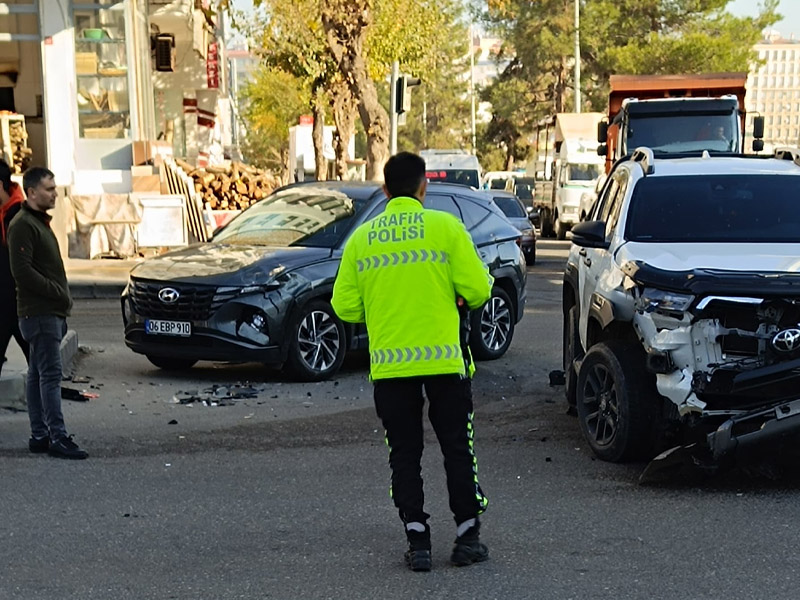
(577, 56)
(393, 108)
(472, 86)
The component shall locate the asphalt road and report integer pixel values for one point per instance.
(285, 495)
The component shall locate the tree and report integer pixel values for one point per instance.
(617, 36)
(272, 101)
(289, 37)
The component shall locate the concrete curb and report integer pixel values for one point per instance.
(95, 291)
(12, 384)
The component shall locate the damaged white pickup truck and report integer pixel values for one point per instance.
(681, 305)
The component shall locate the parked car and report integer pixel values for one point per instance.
(515, 212)
(681, 307)
(260, 289)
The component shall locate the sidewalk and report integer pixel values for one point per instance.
(101, 278)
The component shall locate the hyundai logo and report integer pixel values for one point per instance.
(171, 295)
(787, 340)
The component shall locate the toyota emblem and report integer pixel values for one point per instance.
(787, 340)
(171, 295)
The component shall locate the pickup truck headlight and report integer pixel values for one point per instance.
(652, 299)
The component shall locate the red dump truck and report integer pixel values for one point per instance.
(676, 113)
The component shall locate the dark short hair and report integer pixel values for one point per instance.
(5, 175)
(403, 174)
(33, 177)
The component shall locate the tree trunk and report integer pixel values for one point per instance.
(346, 23)
(344, 107)
(317, 132)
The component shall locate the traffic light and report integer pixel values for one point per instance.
(404, 82)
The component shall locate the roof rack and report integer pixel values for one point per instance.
(644, 156)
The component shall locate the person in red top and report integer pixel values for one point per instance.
(11, 199)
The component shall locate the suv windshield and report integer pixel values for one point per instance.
(715, 208)
(296, 217)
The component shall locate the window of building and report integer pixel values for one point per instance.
(101, 68)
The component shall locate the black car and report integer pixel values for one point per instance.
(260, 290)
(516, 214)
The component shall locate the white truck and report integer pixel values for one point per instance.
(565, 165)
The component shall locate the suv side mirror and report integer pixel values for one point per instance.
(590, 234)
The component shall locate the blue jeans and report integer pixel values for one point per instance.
(43, 389)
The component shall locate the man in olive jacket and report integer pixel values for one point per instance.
(43, 305)
(403, 273)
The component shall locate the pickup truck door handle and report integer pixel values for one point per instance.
(586, 260)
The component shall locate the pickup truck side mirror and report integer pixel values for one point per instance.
(590, 234)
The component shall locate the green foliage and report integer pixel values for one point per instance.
(617, 36)
(273, 101)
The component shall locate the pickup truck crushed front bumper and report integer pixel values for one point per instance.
(754, 428)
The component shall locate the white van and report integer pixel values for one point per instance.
(452, 166)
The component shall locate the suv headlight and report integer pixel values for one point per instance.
(652, 299)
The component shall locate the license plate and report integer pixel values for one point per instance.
(159, 327)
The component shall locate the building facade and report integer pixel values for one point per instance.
(773, 90)
(94, 78)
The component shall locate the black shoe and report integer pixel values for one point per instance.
(418, 555)
(469, 549)
(64, 447)
(39, 445)
(419, 560)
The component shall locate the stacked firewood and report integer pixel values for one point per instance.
(232, 187)
(20, 153)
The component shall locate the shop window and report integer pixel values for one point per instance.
(102, 70)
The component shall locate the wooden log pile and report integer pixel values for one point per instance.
(20, 152)
(232, 187)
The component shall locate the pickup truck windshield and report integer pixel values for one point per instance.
(715, 209)
(683, 133)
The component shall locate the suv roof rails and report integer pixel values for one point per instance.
(644, 156)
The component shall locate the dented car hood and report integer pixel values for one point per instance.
(223, 264)
(760, 258)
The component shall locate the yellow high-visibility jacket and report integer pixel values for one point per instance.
(401, 273)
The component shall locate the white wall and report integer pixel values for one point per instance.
(58, 55)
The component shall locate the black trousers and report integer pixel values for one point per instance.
(399, 403)
(9, 327)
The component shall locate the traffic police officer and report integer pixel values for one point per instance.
(402, 273)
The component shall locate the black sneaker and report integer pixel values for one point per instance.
(469, 549)
(39, 445)
(64, 447)
(418, 555)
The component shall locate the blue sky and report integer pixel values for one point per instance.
(790, 9)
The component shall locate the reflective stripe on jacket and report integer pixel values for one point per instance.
(401, 273)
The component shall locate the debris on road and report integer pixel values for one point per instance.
(77, 395)
(216, 395)
(557, 378)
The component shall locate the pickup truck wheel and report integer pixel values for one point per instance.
(170, 363)
(492, 326)
(571, 351)
(614, 402)
(318, 343)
